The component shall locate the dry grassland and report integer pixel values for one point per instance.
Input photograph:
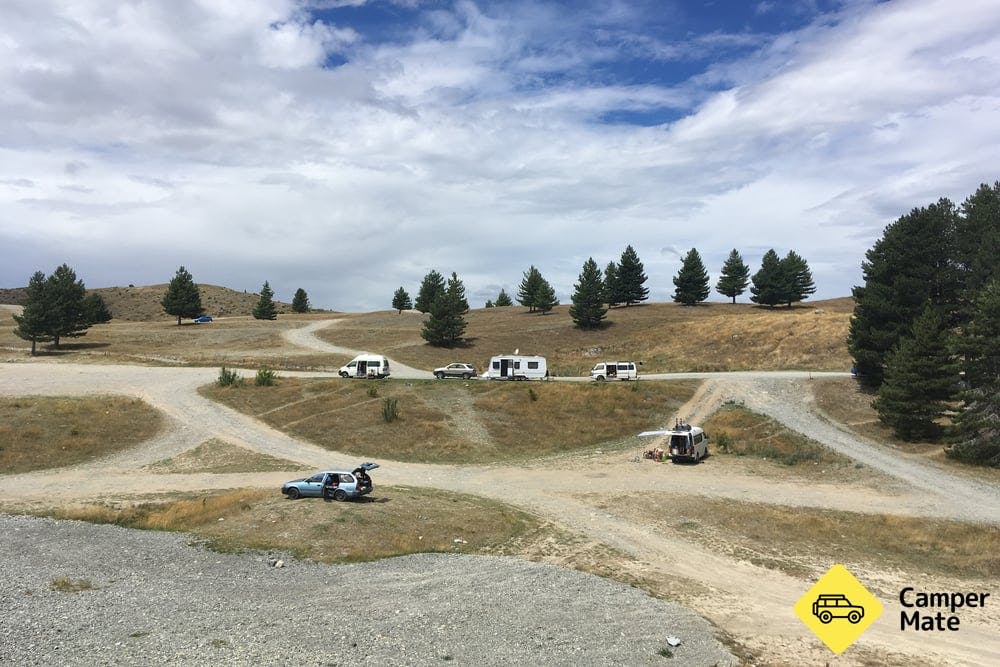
(666, 336)
(38, 432)
(737, 431)
(456, 422)
(238, 341)
(394, 521)
(803, 541)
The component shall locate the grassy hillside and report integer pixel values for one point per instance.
(142, 304)
(666, 336)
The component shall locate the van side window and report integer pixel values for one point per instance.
(533, 364)
(517, 365)
(374, 363)
(496, 365)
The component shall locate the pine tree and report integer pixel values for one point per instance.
(456, 287)
(735, 276)
(768, 286)
(489, 304)
(545, 298)
(631, 277)
(95, 310)
(691, 281)
(912, 264)
(796, 278)
(430, 288)
(976, 437)
(503, 299)
(33, 322)
(919, 378)
(300, 302)
(612, 288)
(446, 326)
(67, 318)
(401, 300)
(182, 299)
(527, 293)
(265, 310)
(588, 308)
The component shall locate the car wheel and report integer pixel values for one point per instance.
(340, 495)
(854, 616)
(293, 493)
(439, 375)
(825, 617)
(343, 374)
(467, 376)
(600, 378)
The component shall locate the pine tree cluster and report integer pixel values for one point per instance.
(57, 307)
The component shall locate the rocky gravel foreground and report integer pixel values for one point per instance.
(161, 598)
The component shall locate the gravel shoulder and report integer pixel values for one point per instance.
(156, 599)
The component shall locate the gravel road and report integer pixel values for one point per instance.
(156, 599)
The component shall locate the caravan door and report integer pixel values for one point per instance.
(505, 371)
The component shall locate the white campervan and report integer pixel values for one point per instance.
(366, 365)
(516, 367)
(615, 370)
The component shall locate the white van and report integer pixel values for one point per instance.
(614, 370)
(687, 442)
(366, 365)
(516, 367)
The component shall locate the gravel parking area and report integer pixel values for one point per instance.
(158, 598)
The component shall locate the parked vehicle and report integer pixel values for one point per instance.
(614, 370)
(204, 319)
(456, 370)
(335, 484)
(366, 365)
(516, 367)
(687, 443)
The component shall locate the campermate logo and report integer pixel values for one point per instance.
(838, 609)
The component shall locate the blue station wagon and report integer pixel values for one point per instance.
(335, 484)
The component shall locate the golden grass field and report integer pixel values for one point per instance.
(457, 422)
(665, 336)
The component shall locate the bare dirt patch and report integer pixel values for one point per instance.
(219, 456)
(40, 432)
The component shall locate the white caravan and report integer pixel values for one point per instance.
(615, 370)
(516, 367)
(366, 365)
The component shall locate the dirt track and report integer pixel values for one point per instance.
(751, 602)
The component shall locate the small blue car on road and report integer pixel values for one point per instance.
(335, 484)
(204, 319)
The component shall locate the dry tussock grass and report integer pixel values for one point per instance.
(741, 432)
(395, 522)
(667, 337)
(446, 421)
(803, 541)
(37, 431)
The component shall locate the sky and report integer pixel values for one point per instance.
(348, 147)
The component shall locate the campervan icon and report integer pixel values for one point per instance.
(830, 606)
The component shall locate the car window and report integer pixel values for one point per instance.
(344, 477)
(353, 364)
(532, 364)
(316, 478)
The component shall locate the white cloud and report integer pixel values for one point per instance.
(139, 137)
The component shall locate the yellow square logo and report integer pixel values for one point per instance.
(838, 609)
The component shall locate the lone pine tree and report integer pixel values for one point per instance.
(182, 299)
(588, 308)
(691, 281)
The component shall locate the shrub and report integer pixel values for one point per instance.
(372, 392)
(532, 395)
(390, 410)
(265, 377)
(229, 378)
